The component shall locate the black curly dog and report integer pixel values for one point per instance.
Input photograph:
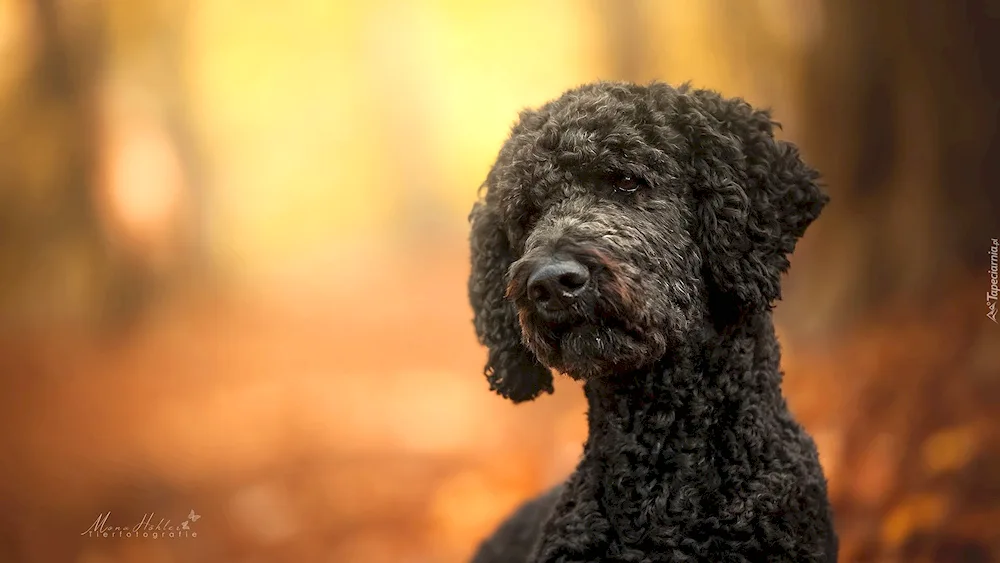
(634, 237)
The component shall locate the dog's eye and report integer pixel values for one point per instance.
(627, 184)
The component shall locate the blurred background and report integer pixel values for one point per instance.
(233, 249)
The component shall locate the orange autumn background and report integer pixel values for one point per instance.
(234, 254)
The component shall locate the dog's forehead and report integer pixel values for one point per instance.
(569, 160)
(590, 114)
(590, 128)
(580, 142)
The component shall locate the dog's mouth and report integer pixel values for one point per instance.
(548, 331)
(587, 348)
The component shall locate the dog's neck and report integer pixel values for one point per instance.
(694, 385)
(684, 423)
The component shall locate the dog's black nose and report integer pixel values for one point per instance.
(556, 283)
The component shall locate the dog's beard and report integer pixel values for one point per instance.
(589, 349)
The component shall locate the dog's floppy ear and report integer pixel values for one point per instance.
(754, 198)
(512, 370)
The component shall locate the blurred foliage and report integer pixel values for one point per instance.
(269, 204)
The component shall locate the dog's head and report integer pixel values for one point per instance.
(618, 219)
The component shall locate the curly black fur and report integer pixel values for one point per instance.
(684, 208)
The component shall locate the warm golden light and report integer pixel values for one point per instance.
(235, 261)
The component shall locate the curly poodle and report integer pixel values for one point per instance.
(633, 238)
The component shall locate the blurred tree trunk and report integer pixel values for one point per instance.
(56, 259)
(901, 101)
(625, 33)
(53, 257)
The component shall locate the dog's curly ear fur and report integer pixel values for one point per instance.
(512, 370)
(754, 198)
